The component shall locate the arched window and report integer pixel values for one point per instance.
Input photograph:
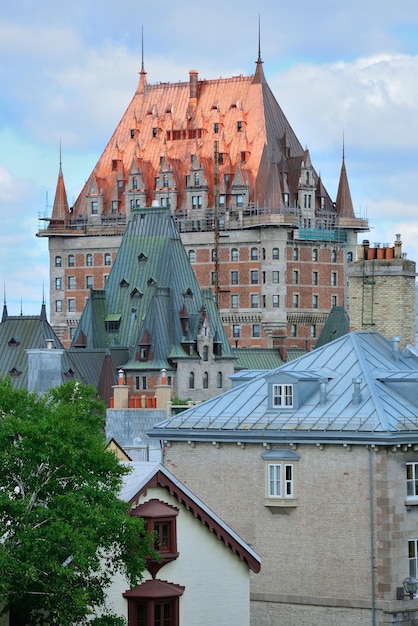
(307, 178)
(107, 258)
(205, 353)
(254, 254)
(192, 256)
(89, 260)
(191, 380)
(234, 254)
(275, 254)
(295, 254)
(71, 260)
(134, 183)
(219, 380)
(205, 380)
(315, 254)
(58, 261)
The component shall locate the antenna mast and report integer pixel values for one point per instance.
(216, 216)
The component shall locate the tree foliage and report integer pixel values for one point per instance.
(63, 530)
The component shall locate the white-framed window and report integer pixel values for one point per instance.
(71, 282)
(234, 278)
(89, 282)
(315, 301)
(295, 277)
(276, 276)
(71, 305)
(412, 481)
(282, 395)
(254, 301)
(254, 277)
(192, 256)
(314, 278)
(108, 258)
(280, 480)
(275, 253)
(58, 306)
(234, 254)
(94, 207)
(313, 331)
(234, 301)
(315, 254)
(236, 330)
(295, 300)
(58, 283)
(276, 300)
(293, 330)
(333, 278)
(71, 260)
(280, 467)
(413, 557)
(334, 300)
(334, 256)
(89, 260)
(295, 254)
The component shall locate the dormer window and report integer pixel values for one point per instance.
(282, 396)
(142, 258)
(112, 323)
(13, 343)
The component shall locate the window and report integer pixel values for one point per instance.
(295, 277)
(283, 395)
(213, 255)
(221, 201)
(349, 257)
(315, 300)
(89, 282)
(275, 253)
(280, 477)
(236, 330)
(205, 380)
(219, 380)
(89, 260)
(58, 306)
(334, 300)
(295, 254)
(71, 260)
(240, 198)
(315, 254)
(105, 277)
(191, 380)
(71, 305)
(333, 278)
(192, 256)
(286, 199)
(333, 256)
(58, 261)
(72, 332)
(234, 301)
(254, 277)
(155, 132)
(413, 557)
(254, 300)
(412, 480)
(153, 611)
(234, 254)
(216, 127)
(213, 278)
(314, 278)
(114, 206)
(275, 277)
(295, 300)
(293, 330)
(276, 301)
(107, 259)
(264, 301)
(94, 207)
(254, 254)
(239, 126)
(256, 330)
(313, 331)
(205, 353)
(58, 283)
(71, 282)
(234, 278)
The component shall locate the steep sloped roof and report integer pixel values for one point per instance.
(147, 474)
(380, 407)
(19, 333)
(150, 285)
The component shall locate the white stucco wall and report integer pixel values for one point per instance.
(216, 581)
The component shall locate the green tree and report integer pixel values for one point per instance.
(64, 532)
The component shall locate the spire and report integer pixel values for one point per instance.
(42, 316)
(60, 208)
(259, 74)
(4, 316)
(142, 74)
(344, 204)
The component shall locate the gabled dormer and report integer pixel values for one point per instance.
(144, 347)
(288, 391)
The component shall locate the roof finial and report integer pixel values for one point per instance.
(142, 74)
(60, 154)
(259, 40)
(4, 316)
(142, 48)
(21, 307)
(259, 74)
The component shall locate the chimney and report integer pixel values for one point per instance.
(398, 247)
(194, 83)
(121, 392)
(162, 391)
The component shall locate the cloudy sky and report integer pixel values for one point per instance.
(69, 69)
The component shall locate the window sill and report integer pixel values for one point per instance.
(411, 502)
(284, 503)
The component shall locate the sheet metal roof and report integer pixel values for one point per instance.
(386, 410)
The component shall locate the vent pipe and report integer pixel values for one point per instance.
(323, 391)
(356, 398)
(49, 344)
(394, 342)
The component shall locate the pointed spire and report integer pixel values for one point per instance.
(60, 209)
(142, 74)
(259, 74)
(5, 315)
(344, 204)
(42, 316)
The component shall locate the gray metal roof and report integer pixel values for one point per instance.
(385, 410)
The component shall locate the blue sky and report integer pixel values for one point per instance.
(69, 69)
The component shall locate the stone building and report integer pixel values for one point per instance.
(315, 464)
(382, 292)
(258, 224)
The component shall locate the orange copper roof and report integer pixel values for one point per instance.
(60, 207)
(174, 124)
(344, 204)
